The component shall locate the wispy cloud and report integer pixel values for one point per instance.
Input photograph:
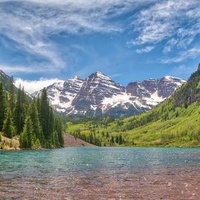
(27, 69)
(31, 23)
(183, 55)
(164, 20)
(170, 45)
(32, 86)
(32, 27)
(173, 23)
(145, 50)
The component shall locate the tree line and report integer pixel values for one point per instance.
(34, 123)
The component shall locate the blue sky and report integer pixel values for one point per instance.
(43, 41)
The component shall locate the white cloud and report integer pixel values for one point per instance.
(32, 86)
(169, 45)
(175, 23)
(183, 55)
(26, 70)
(31, 23)
(145, 50)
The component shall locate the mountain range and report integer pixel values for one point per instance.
(172, 123)
(100, 95)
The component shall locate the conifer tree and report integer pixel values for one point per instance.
(2, 106)
(25, 103)
(8, 126)
(51, 122)
(27, 136)
(54, 139)
(37, 130)
(35, 122)
(59, 129)
(11, 96)
(19, 115)
(44, 114)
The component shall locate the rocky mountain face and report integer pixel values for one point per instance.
(5, 79)
(3, 75)
(99, 95)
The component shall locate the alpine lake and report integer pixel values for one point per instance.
(100, 173)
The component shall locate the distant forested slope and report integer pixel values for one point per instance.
(175, 122)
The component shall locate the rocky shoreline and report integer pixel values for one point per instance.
(71, 141)
(9, 144)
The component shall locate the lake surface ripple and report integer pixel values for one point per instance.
(100, 173)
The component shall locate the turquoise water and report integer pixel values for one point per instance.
(100, 173)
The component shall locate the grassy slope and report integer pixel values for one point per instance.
(181, 130)
(175, 122)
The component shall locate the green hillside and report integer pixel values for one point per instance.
(175, 122)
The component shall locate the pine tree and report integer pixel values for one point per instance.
(44, 114)
(11, 96)
(54, 139)
(51, 121)
(19, 114)
(23, 140)
(37, 130)
(8, 126)
(27, 136)
(59, 129)
(2, 106)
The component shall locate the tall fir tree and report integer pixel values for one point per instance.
(27, 136)
(19, 115)
(48, 122)
(59, 128)
(8, 126)
(2, 106)
(11, 96)
(37, 130)
(44, 114)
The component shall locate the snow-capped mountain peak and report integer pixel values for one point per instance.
(100, 95)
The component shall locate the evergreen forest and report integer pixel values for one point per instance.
(31, 122)
(173, 123)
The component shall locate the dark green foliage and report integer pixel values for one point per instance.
(2, 106)
(8, 126)
(189, 92)
(20, 111)
(46, 128)
(45, 115)
(59, 130)
(34, 123)
(55, 140)
(27, 135)
(11, 96)
(34, 115)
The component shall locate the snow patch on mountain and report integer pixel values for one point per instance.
(100, 95)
